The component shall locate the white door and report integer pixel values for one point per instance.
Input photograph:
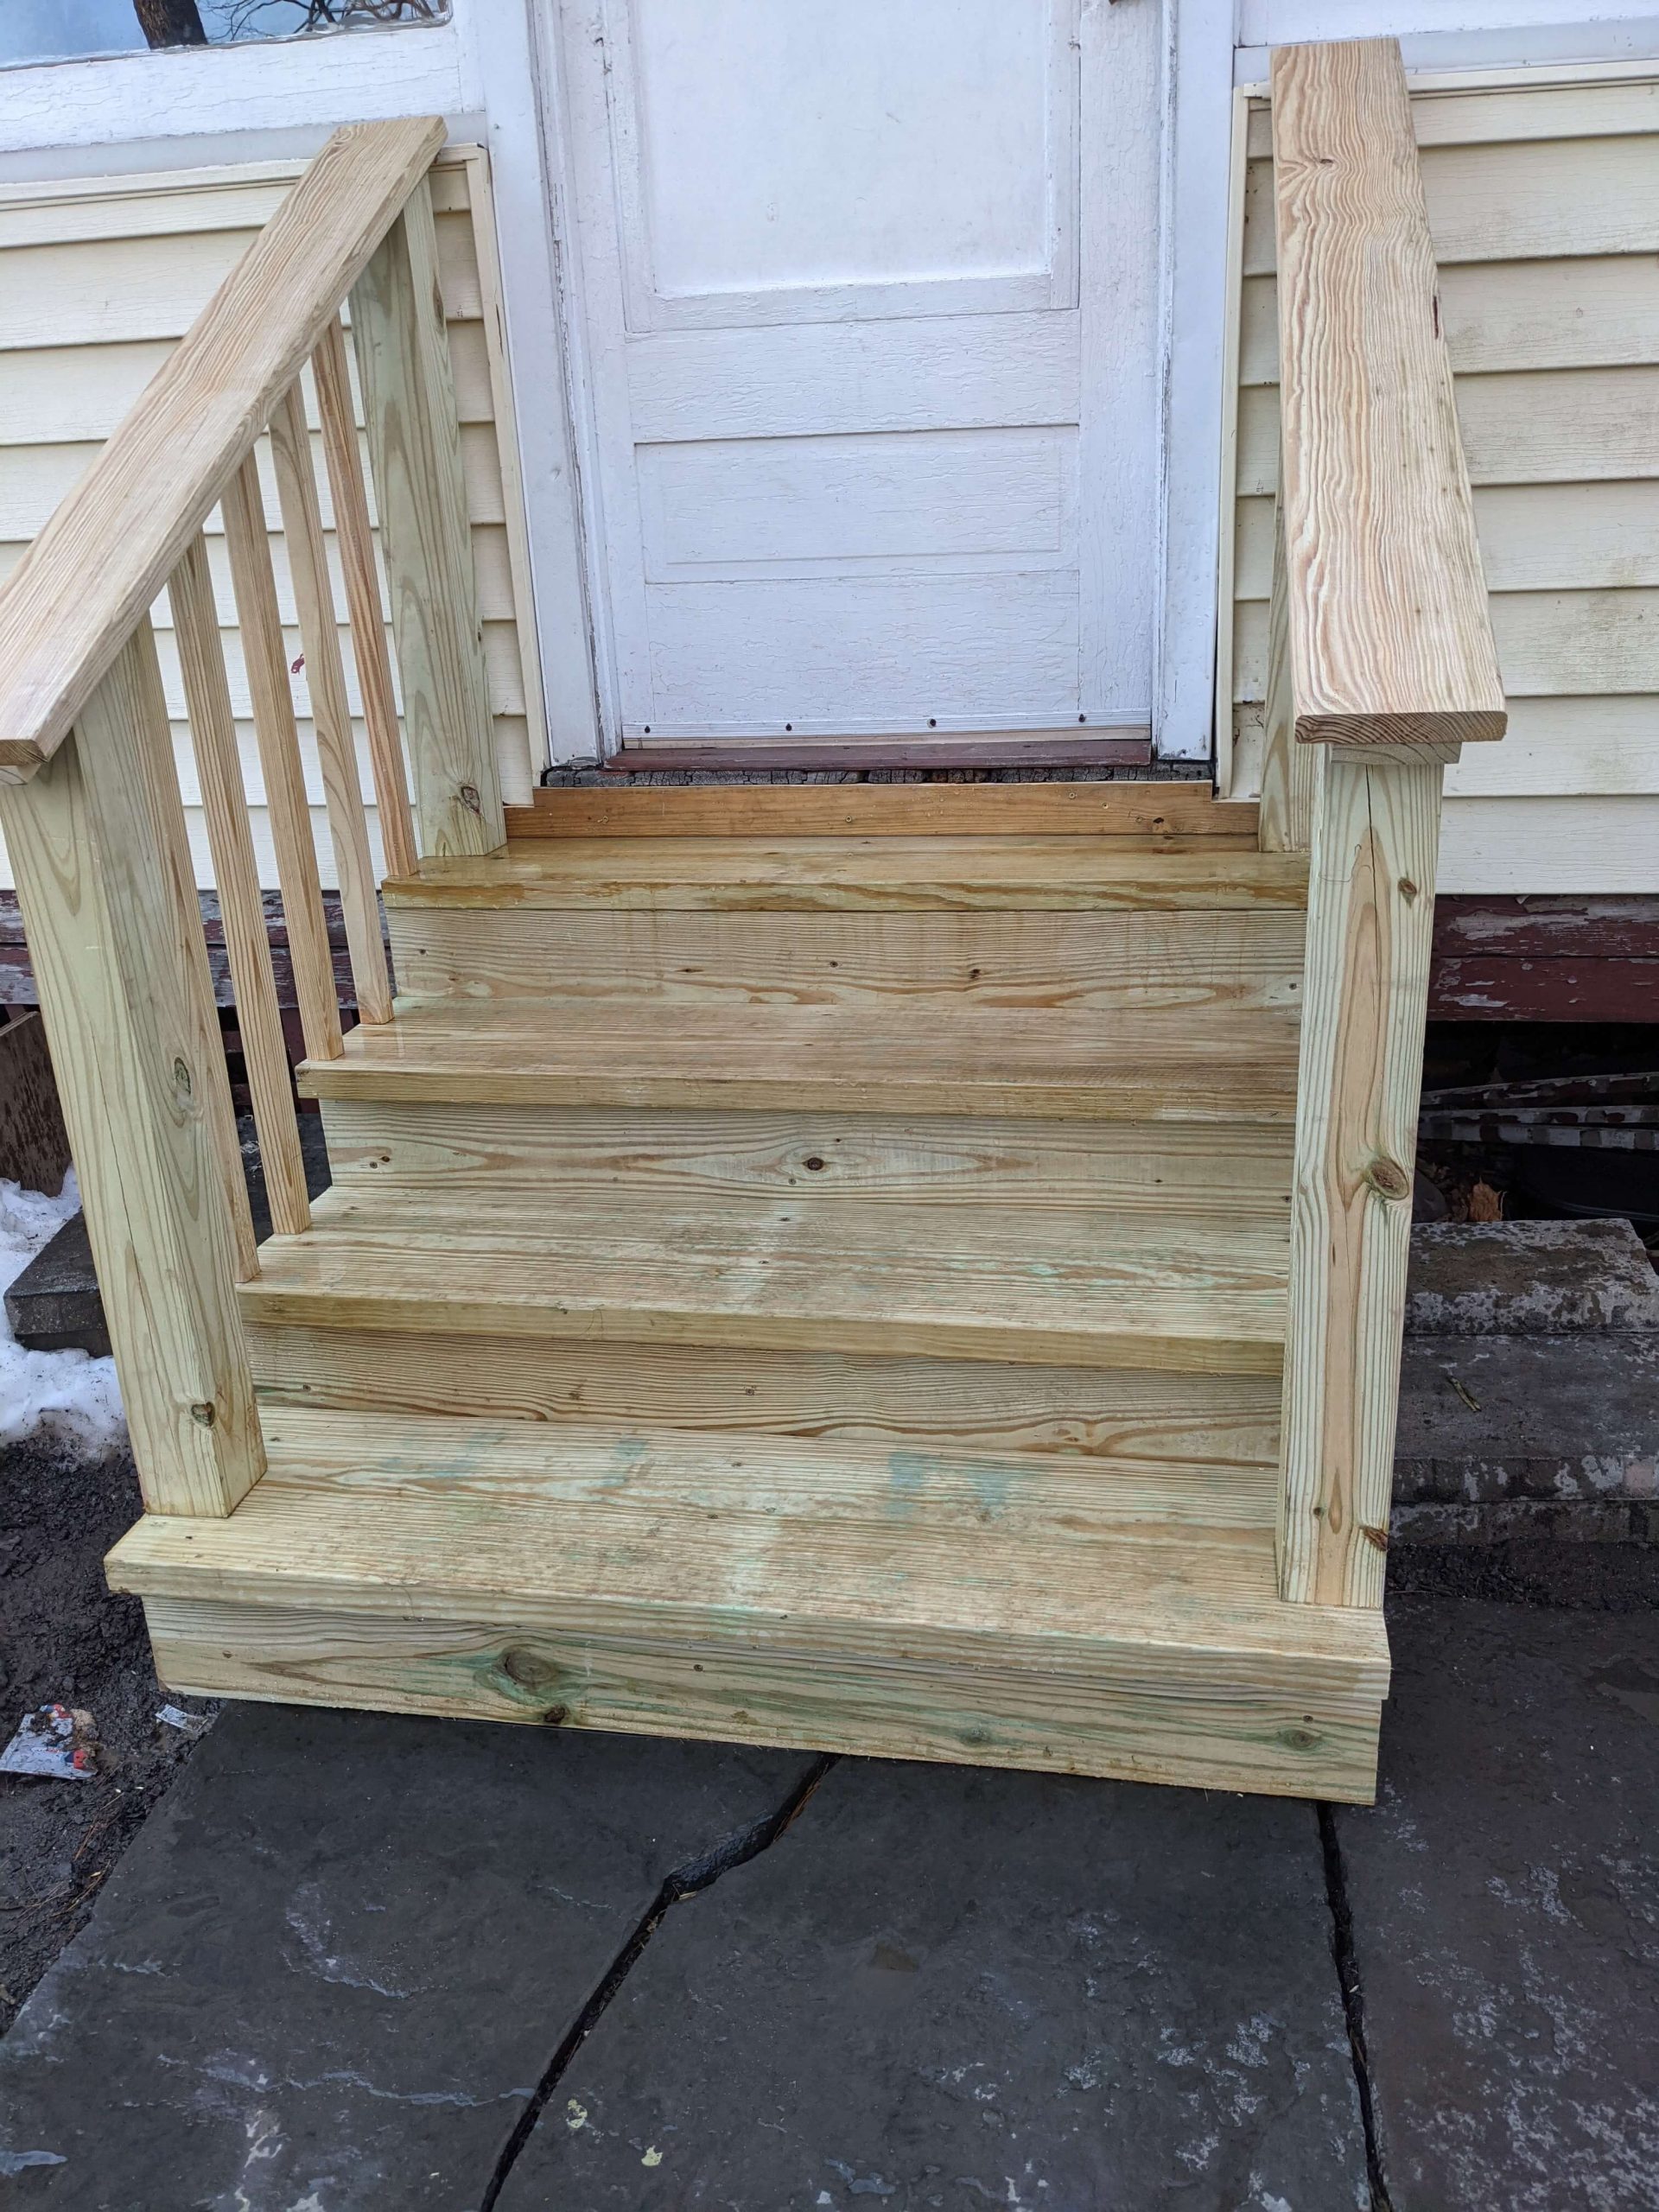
(863, 293)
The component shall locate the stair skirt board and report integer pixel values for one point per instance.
(1135, 1716)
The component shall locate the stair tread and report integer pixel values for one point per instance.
(891, 875)
(1092, 1287)
(1177, 1063)
(1019, 1558)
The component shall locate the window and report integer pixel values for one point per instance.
(62, 30)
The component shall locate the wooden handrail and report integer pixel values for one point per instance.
(1390, 639)
(80, 591)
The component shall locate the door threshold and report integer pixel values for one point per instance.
(1124, 748)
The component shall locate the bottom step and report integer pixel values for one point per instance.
(1082, 1616)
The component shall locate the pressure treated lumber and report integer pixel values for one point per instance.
(545, 1153)
(1371, 920)
(1287, 767)
(862, 1401)
(409, 404)
(1390, 640)
(1155, 1065)
(987, 810)
(97, 844)
(236, 876)
(984, 960)
(1130, 1623)
(1195, 1292)
(876, 875)
(331, 713)
(74, 599)
(265, 658)
(354, 536)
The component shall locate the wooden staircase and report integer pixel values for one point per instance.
(802, 1290)
(905, 1271)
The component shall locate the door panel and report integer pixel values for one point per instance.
(838, 262)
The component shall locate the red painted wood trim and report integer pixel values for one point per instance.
(1538, 958)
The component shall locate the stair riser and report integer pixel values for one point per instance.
(1034, 960)
(1263, 1723)
(917, 1404)
(1059, 1342)
(529, 1155)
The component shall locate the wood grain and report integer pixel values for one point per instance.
(356, 539)
(544, 1151)
(983, 962)
(1286, 766)
(1390, 639)
(331, 714)
(1371, 926)
(1156, 1065)
(1126, 1604)
(242, 914)
(69, 607)
(860, 1400)
(249, 546)
(1148, 1714)
(409, 401)
(876, 875)
(98, 858)
(1200, 1293)
(884, 811)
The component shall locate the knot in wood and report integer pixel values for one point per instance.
(1389, 1179)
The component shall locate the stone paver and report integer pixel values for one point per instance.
(330, 1972)
(958, 1988)
(1505, 1896)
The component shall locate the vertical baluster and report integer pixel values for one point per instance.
(243, 506)
(354, 536)
(331, 715)
(1288, 768)
(409, 400)
(109, 900)
(207, 697)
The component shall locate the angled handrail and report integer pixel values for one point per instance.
(77, 595)
(90, 799)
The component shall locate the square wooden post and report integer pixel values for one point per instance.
(97, 840)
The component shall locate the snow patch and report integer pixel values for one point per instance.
(64, 1397)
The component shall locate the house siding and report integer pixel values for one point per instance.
(97, 281)
(1544, 205)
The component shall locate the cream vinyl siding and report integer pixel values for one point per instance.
(1544, 204)
(100, 279)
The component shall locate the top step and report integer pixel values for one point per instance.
(924, 874)
(846, 809)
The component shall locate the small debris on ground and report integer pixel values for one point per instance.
(58, 1743)
(192, 1724)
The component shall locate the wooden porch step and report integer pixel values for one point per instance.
(1199, 1291)
(943, 875)
(1100, 1617)
(846, 809)
(1139, 1064)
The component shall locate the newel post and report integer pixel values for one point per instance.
(98, 842)
(408, 403)
(1382, 667)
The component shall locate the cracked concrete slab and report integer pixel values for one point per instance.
(331, 1972)
(1504, 1897)
(951, 1987)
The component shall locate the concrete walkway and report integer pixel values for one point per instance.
(355, 1963)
